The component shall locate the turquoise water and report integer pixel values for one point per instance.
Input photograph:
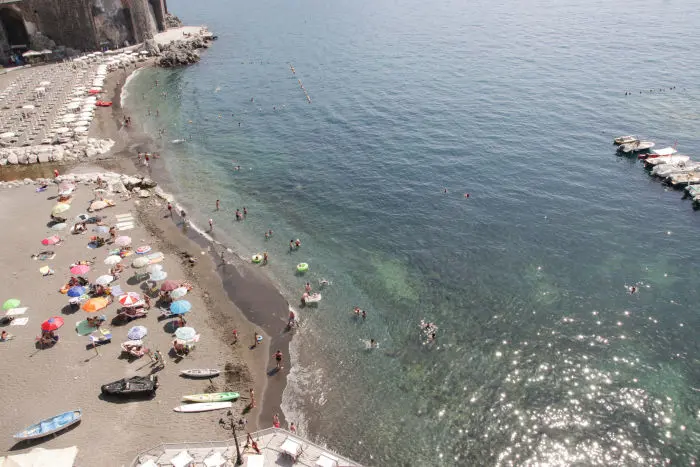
(542, 357)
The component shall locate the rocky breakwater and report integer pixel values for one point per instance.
(72, 151)
(180, 52)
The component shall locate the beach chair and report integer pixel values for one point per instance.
(291, 447)
(326, 460)
(182, 459)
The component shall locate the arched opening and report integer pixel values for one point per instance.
(14, 27)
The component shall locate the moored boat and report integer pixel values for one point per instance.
(683, 179)
(639, 146)
(675, 159)
(693, 190)
(203, 407)
(212, 397)
(620, 140)
(134, 386)
(200, 373)
(666, 170)
(667, 151)
(50, 425)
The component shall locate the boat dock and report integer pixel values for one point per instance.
(278, 448)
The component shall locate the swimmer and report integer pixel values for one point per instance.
(364, 315)
(291, 245)
(270, 232)
(323, 282)
(466, 195)
(297, 243)
(357, 311)
(307, 287)
(373, 344)
(632, 289)
(211, 224)
(267, 236)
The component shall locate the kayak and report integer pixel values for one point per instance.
(212, 397)
(204, 407)
(50, 425)
(200, 372)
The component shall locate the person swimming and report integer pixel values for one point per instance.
(323, 282)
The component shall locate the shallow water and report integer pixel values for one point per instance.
(542, 357)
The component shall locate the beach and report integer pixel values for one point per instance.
(68, 375)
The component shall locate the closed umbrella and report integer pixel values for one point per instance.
(11, 303)
(158, 276)
(104, 280)
(112, 260)
(80, 269)
(60, 208)
(180, 307)
(137, 333)
(154, 268)
(140, 262)
(185, 334)
(53, 323)
(169, 285)
(95, 304)
(129, 299)
(178, 293)
(51, 240)
(122, 241)
(76, 291)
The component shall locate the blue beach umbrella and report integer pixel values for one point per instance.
(137, 333)
(185, 333)
(76, 291)
(180, 307)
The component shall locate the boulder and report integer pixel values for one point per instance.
(22, 158)
(148, 183)
(12, 159)
(151, 46)
(32, 158)
(144, 194)
(117, 187)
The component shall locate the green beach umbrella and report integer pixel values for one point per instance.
(11, 303)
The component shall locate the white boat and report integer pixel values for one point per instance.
(620, 140)
(667, 151)
(203, 407)
(693, 190)
(677, 159)
(639, 146)
(689, 178)
(666, 170)
(200, 372)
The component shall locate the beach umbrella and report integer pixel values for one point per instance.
(154, 268)
(185, 334)
(97, 205)
(129, 299)
(169, 285)
(44, 83)
(112, 260)
(10, 303)
(143, 249)
(104, 280)
(51, 240)
(122, 241)
(66, 185)
(6, 135)
(137, 333)
(178, 293)
(95, 304)
(140, 262)
(59, 226)
(69, 118)
(76, 291)
(53, 323)
(80, 129)
(80, 269)
(158, 276)
(60, 208)
(103, 229)
(180, 307)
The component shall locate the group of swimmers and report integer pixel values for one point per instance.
(429, 331)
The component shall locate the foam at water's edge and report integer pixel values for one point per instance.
(125, 88)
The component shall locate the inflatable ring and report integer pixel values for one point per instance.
(257, 258)
(302, 267)
(143, 249)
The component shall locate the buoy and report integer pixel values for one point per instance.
(257, 258)
(302, 267)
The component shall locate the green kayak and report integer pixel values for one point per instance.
(213, 397)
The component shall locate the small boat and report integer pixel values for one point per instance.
(134, 386)
(676, 159)
(212, 397)
(178, 141)
(667, 151)
(620, 140)
(50, 425)
(693, 190)
(203, 407)
(690, 178)
(200, 373)
(666, 170)
(639, 146)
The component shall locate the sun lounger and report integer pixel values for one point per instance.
(183, 459)
(255, 460)
(326, 460)
(291, 447)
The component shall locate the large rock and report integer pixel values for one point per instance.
(147, 183)
(12, 159)
(172, 21)
(151, 46)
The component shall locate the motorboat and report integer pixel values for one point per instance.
(682, 179)
(693, 190)
(666, 170)
(50, 425)
(620, 140)
(134, 386)
(676, 159)
(667, 151)
(639, 146)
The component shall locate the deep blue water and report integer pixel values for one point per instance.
(542, 357)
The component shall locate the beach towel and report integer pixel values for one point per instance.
(116, 290)
(16, 311)
(19, 322)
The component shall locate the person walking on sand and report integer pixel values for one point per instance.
(55, 173)
(276, 421)
(170, 209)
(235, 337)
(217, 204)
(278, 359)
(252, 398)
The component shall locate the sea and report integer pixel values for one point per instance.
(360, 127)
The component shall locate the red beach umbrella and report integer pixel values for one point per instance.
(52, 324)
(51, 240)
(169, 285)
(80, 269)
(129, 299)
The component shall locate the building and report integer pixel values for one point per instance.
(82, 25)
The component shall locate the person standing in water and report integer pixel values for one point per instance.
(217, 204)
(307, 287)
(278, 358)
(264, 261)
(211, 225)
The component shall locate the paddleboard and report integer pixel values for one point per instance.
(213, 397)
(200, 372)
(203, 407)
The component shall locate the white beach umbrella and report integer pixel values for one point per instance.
(112, 260)
(7, 135)
(80, 129)
(28, 107)
(81, 123)
(62, 130)
(44, 83)
(68, 118)
(104, 280)
(73, 106)
(154, 268)
(123, 240)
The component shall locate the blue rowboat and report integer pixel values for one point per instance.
(50, 425)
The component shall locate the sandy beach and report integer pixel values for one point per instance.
(44, 382)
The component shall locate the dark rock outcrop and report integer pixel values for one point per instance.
(172, 21)
(182, 52)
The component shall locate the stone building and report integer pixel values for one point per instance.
(82, 25)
